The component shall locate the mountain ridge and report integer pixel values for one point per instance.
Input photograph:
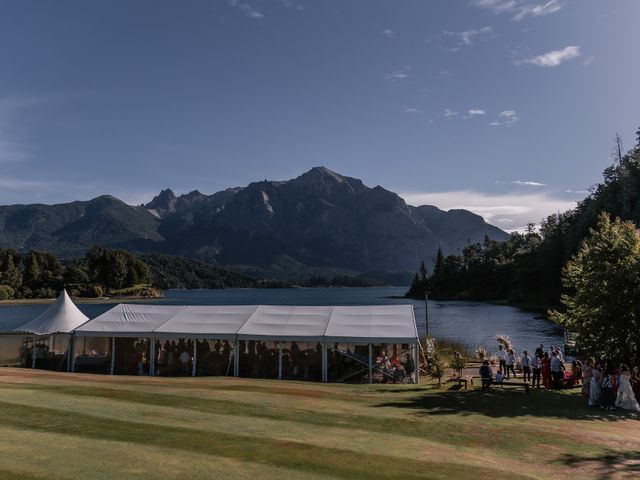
(319, 218)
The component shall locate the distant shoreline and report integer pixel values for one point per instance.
(48, 301)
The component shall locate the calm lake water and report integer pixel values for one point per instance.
(473, 323)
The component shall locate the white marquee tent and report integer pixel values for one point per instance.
(56, 322)
(372, 325)
(61, 317)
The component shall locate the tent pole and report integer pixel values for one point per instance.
(152, 357)
(416, 361)
(325, 376)
(113, 355)
(33, 353)
(370, 363)
(195, 357)
(70, 353)
(236, 359)
(279, 360)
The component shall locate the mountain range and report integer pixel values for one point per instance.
(319, 219)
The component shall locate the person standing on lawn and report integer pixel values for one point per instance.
(536, 366)
(525, 361)
(502, 356)
(546, 370)
(510, 361)
(557, 369)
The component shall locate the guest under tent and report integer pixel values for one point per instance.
(49, 335)
(323, 343)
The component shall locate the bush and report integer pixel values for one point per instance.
(6, 292)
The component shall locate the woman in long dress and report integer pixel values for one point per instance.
(626, 399)
(635, 382)
(594, 387)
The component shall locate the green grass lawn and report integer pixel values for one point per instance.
(63, 426)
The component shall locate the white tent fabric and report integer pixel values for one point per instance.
(127, 320)
(384, 323)
(349, 324)
(286, 323)
(61, 317)
(218, 322)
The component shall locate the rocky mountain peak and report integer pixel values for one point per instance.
(162, 204)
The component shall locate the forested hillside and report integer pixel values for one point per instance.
(527, 268)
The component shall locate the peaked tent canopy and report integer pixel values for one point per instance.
(61, 317)
(350, 324)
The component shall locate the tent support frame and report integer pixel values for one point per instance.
(113, 355)
(370, 363)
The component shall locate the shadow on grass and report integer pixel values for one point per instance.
(607, 465)
(506, 403)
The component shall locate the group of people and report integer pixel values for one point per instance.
(609, 386)
(547, 367)
(606, 385)
(393, 368)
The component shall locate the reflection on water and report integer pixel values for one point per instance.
(473, 323)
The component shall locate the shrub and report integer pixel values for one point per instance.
(6, 292)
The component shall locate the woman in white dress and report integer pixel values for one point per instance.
(594, 388)
(626, 398)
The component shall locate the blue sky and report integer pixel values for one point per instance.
(506, 107)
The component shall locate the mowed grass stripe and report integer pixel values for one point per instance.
(287, 454)
(432, 427)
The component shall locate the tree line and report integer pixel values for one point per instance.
(106, 271)
(526, 269)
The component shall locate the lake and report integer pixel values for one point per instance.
(470, 322)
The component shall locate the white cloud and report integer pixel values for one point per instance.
(466, 38)
(552, 58)
(528, 183)
(580, 192)
(513, 208)
(475, 112)
(399, 75)
(538, 10)
(520, 9)
(445, 73)
(389, 33)
(247, 9)
(291, 4)
(406, 109)
(448, 113)
(507, 118)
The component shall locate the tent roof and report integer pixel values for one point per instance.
(386, 323)
(61, 317)
(351, 324)
(220, 322)
(286, 322)
(129, 320)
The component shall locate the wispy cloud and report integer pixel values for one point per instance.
(475, 112)
(579, 192)
(552, 58)
(399, 75)
(517, 209)
(520, 9)
(466, 38)
(448, 113)
(291, 4)
(527, 183)
(389, 33)
(406, 109)
(247, 9)
(507, 118)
